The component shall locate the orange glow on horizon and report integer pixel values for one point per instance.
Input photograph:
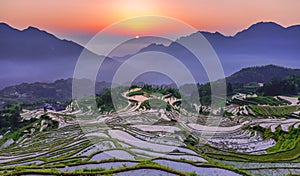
(77, 16)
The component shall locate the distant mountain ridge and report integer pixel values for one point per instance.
(262, 43)
(34, 43)
(32, 55)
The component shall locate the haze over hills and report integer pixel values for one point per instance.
(61, 90)
(31, 55)
(261, 44)
(34, 55)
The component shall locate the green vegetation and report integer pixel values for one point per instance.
(130, 94)
(191, 140)
(149, 89)
(157, 103)
(291, 174)
(285, 141)
(145, 105)
(154, 104)
(52, 124)
(261, 74)
(105, 101)
(260, 100)
(143, 164)
(287, 86)
(204, 93)
(10, 118)
(280, 111)
(286, 149)
(60, 90)
(283, 156)
(66, 149)
(266, 101)
(18, 131)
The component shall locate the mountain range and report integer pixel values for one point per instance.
(262, 43)
(32, 54)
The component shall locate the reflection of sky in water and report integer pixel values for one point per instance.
(185, 167)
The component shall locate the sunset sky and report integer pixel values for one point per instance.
(79, 19)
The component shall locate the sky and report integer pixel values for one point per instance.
(80, 19)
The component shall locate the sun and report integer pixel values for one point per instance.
(137, 36)
(134, 8)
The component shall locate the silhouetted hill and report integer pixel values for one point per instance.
(261, 74)
(32, 43)
(32, 55)
(262, 43)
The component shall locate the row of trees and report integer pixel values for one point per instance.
(288, 86)
(10, 118)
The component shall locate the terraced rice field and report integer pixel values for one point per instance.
(67, 149)
(147, 142)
